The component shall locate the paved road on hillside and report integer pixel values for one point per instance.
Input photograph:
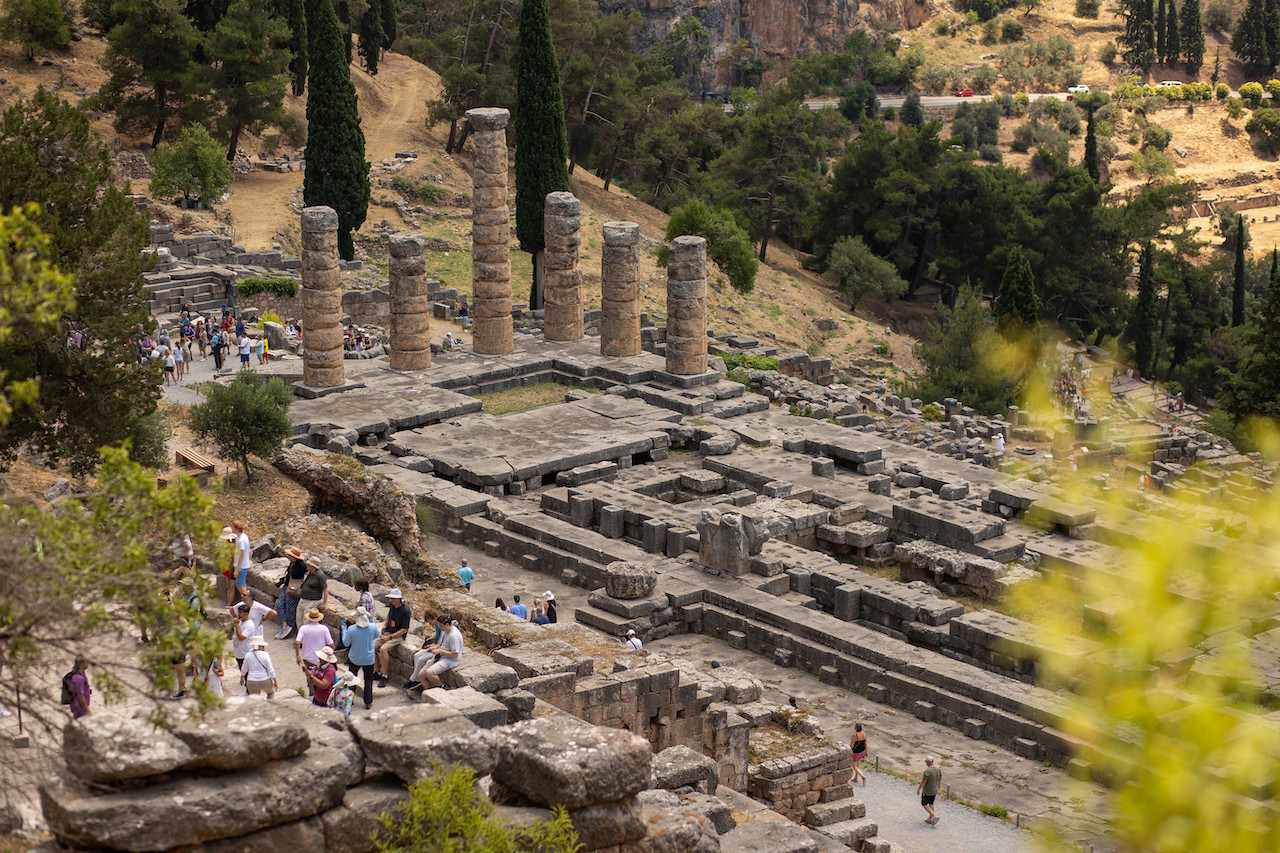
(928, 101)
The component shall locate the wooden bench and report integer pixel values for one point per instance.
(204, 467)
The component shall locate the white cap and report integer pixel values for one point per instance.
(395, 593)
(631, 632)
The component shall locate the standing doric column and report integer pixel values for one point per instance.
(410, 306)
(562, 317)
(687, 306)
(620, 289)
(321, 300)
(490, 234)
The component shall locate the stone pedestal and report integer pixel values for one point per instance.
(490, 233)
(321, 300)
(563, 310)
(687, 306)
(620, 290)
(410, 332)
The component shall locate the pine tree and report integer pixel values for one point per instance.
(205, 14)
(35, 24)
(1017, 303)
(293, 12)
(1192, 32)
(390, 24)
(1237, 283)
(542, 150)
(337, 174)
(1142, 324)
(1091, 150)
(371, 36)
(1160, 27)
(1271, 26)
(1253, 390)
(1139, 37)
(150, 57)
(248, 80)
(911, 112)
(1173, 35)
(1250, 41)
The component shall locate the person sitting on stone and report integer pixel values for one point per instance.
(394, 630)
(550, 607)
(518, 610)
(633, 642)
(535, 610)
(448, 652)
(540, 614)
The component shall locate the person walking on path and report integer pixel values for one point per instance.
(466, 574)
(313, 640)
(393, 634)
(240, 564)
(258, 673)
(858, 743)
(928, 788)
(80, 690)
(359, 635)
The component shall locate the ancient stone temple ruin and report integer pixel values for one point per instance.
(410, 332)
(321, 300)
(490, 233)
(563, 314)
(620, 290)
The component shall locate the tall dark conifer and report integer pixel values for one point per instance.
(1250, 40)
(390, 28)
(542, 149)
(1237, 281)
(1271, 25)
(1138, 41)
(1160, 24)
(1172, 35)
(337, 174)
(1192, 32)
(293, 13)
(371, 36)
(1091, 150)
(1142, 325)
(1017, 304)
(1254, 389)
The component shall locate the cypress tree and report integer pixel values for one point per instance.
(1138, 38)
(390, 24)
(343, 8)
(912, 113)
(1142, 323)
(371, 36)
(1254, 389)
(542, 150)
(1250, 41)
(1192, 36)
(1237, 283)
(1091, 151)
(294, 14)
(1271, 25)
(1160, 24)
(1173, 35)
(1017, 303)
(337, 174)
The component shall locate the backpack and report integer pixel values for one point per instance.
(68, 691)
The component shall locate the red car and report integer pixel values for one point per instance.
(964, 93)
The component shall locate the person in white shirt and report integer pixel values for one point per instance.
(245, 346)
(240, 564)
(633, 642)
(448, 651)
(258, 673)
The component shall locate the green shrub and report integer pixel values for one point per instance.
(1235, 109)
(1265, 123)
(990, 153)
(446, 811)
(1156, 136)
(727, 243)
(1107, 52)
(1221, 91)
(1273, 88)
(750, 362)
(933, 413)
(995, 811)
(1087, 8)
(283, 285)
(423, 191)
(942, 28)
(1069, 119)
(1217, 16)
(194, 165)
(990, 32)
(1012, 30)
(889, 114)
(1251, 94)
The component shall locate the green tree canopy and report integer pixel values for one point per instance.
(1252, 391)
(858, 272)
(542, 149)
(194, 165)
(35, 24)
(247, 76)
(50, 155)
(1142, 323)
(150, 57)
(337, 173)
(965, 357)
(294, 14)
(727, 243)
(371, 36)
(1192, 36)
(1017, 303)
(247, 418)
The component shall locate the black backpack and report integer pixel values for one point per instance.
(68, 692)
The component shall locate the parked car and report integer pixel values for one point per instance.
(964, 93)
(1169, 84)
(1078, 90)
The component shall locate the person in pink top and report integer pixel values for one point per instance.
(313, 636)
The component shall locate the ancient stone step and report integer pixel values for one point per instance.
(826, 814)
(852, 832)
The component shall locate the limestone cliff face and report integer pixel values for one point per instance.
(778, 30)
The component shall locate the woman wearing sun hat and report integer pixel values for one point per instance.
(321, 676)
(549, 598)
(314, 590)
(359, 635)
(291, 591)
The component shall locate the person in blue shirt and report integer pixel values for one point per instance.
(518, 609)
(358, 635)
(466, 574)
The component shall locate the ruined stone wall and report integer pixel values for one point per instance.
(793, 783)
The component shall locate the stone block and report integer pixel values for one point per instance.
(481, 709)
(682, 767)
(608, 824)
(976, 729)
(880, 485)
(823, 467)
(630, 580)
(560, 761)
(484, 676)
(1026, 747)
(923, 710)
(852, 832)
(407, 740)
(768, 837)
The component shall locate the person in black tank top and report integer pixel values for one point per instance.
(858, 743)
